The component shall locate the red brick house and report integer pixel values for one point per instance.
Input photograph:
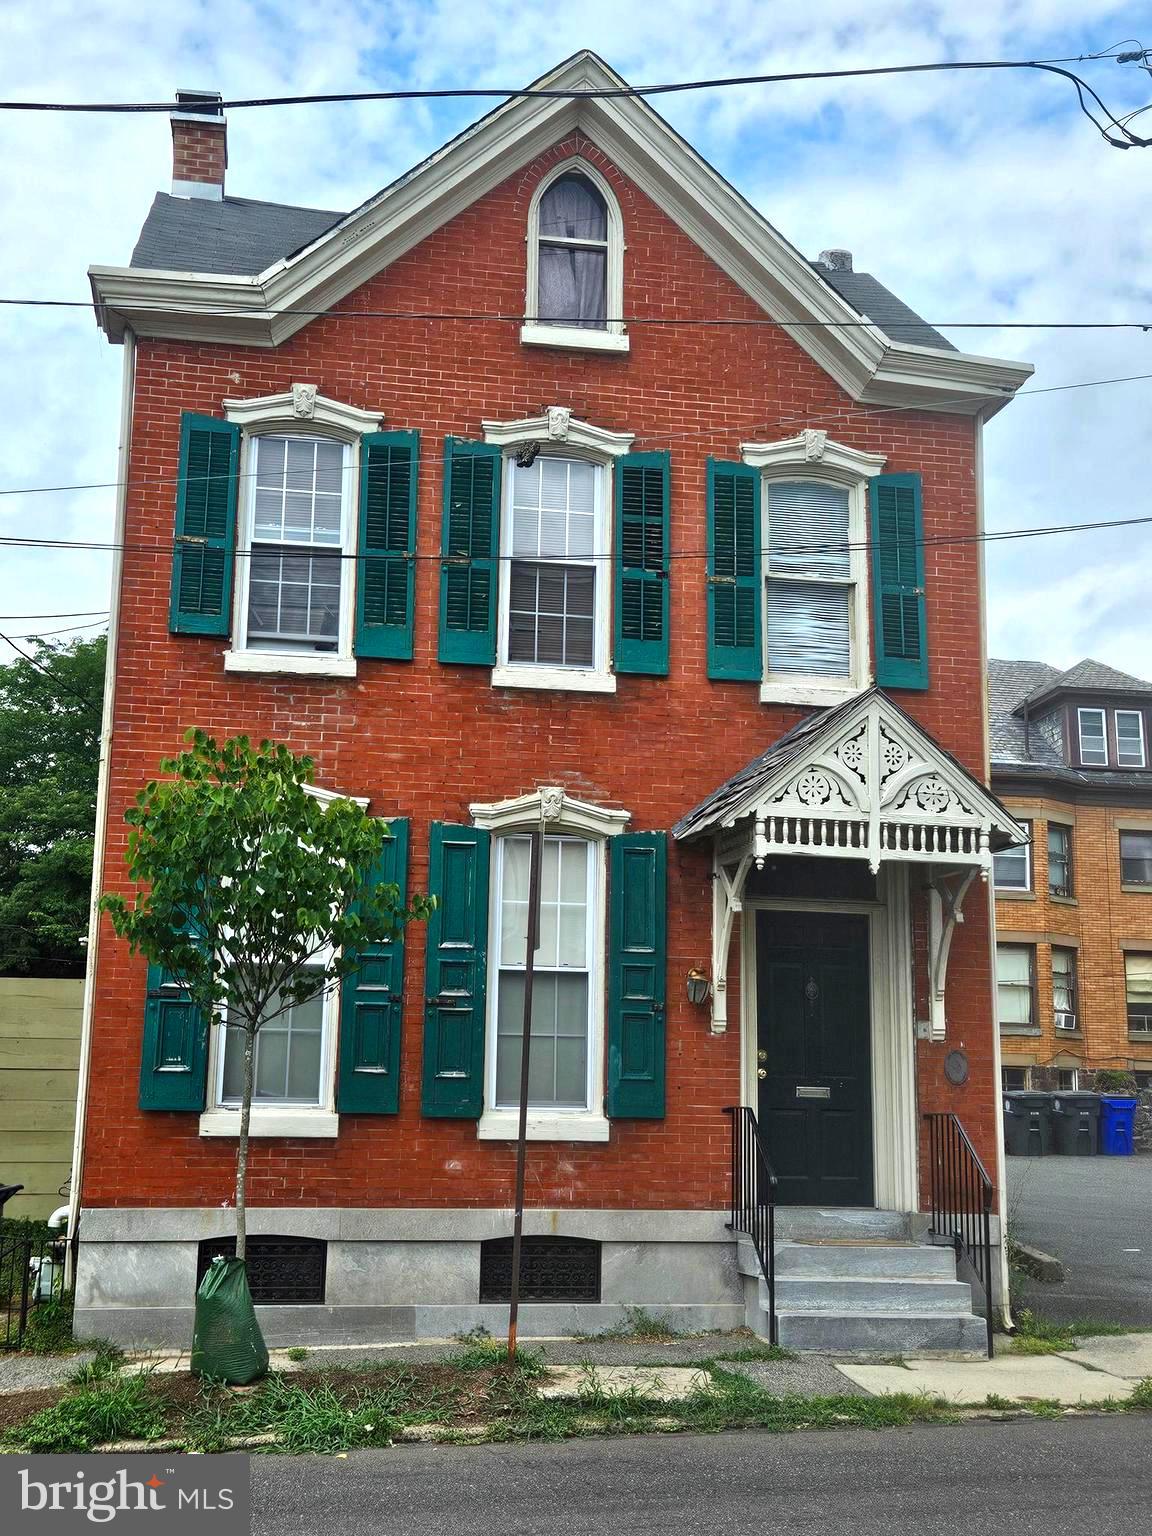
(553, 486)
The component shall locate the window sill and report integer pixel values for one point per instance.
(288, 1121)
(807, 693)
(286, 662)
(1065, 901)
(543, 1125)
(1068, 1034)
(574, 337)
(1140, 1037)
(1020, 1029)
(1137, 890)
(1009, 893)
(567, 679)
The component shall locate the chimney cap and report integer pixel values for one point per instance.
(837, 260)
(199, 104)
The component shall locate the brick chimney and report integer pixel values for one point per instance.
(199, 145)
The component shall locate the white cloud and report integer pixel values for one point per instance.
(972, 196)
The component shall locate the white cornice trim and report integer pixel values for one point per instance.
(301, 409)
(860, 358)
(330, 796)
(816, 453)
(558, 425)
(556, 810)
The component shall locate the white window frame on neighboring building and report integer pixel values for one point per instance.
(300, 413)
(613, 337)
(812, 456)
(1019, 1027)
(1023, 850)
(1102, 715)
(558, 816)
(1138, 716)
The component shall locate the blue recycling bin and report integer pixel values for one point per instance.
(1117, 1121)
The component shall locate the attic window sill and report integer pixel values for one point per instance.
(574, 338)
(290, 663)
(288, 1120)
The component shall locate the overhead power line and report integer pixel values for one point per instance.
(810, 416)
(88, 613)
(48, 672)
(1121, 138)
(48, 634)
(735, 322)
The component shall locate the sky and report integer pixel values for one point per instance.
(975, 197)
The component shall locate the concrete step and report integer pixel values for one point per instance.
(871, 1295)
(890, 1261)
(883, 1333)
(805, 1224)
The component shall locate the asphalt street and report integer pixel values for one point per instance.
(1095, 1215)
(1028, 1477)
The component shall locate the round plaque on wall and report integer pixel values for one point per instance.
(956, 1067)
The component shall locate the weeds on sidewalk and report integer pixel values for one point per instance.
(1040, 1336)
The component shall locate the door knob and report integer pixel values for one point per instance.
(761, 1055)
(761, 1073)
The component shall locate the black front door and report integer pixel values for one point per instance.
(814, 1056)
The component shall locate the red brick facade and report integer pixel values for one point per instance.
(424, 739)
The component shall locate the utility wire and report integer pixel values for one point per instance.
(812, 415)
(1127, 139)
(476, 317)
(47, 634)
(92, 704)
(88, 613)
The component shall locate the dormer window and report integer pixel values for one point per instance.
(575, 263)
(1129, 738)
(1093, 738)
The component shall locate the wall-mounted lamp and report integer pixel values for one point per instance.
(699, 987)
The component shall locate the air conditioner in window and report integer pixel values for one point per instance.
(1065, 1020)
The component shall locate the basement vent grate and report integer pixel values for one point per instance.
(285, 1271)
(551, 1269)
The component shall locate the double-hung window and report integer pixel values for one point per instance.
(1064, 988)
(810, 584)
(1136, 858)
(1012, 867)
(290, 1055)
(1059, 859)
(1130, 738)
(1138, 992)
(297, 581)
(555, 598)
(1016, 986)
(565, 1007)
(573, 254)
(1093, 730)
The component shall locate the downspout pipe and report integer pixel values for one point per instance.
(127, 394)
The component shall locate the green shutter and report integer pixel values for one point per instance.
(637, 964)
(733, 571)
(205, 534)
(456, 972)
(174, 1057)
(386, 549)
(470, 549)
(901, 635)
(371, 1004)
(642, 563)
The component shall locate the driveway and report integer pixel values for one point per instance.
(1028, 1477)
(1095, 1215)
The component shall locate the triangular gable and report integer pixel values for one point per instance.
(866, 363)
(865, 781)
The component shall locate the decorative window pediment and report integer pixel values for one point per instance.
(302, 409)
(552, 807)
(558, 425)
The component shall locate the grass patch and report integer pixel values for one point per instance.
(757, 1352)
(122, 1410)
(1141, 1394)
(1037, 1335)
(638, 1324)
(296, 1353)
(109, 1359)
(479, 1351)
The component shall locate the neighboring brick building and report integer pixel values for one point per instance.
(1070, 757)
(589, 571)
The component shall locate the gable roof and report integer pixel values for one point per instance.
(1014, 684)
(256, 308)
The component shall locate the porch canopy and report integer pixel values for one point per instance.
(861, 781)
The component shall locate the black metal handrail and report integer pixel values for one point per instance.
(961, 1198)
(754, 1199)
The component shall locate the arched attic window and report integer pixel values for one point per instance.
(573, 254)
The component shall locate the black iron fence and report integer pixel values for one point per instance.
(31, 1273)
(961, 1196)
(754, 1199)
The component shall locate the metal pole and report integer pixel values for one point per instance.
(532, 942)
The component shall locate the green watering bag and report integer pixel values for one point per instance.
(227, 1344)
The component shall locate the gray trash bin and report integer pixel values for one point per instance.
(1075, 1123)
(1028, 1123)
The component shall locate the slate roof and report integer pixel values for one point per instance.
(240, 237)
(1010, 683)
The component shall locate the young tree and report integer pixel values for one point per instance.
(244, 881)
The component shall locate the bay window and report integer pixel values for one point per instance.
(1136, 858)
(1138, 992)
(1012, 867)
(1059, 859)
(1064, 988)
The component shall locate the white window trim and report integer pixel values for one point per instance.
(598, 446)
(559, 815)
(614, 337)
(298, 412)
(1080, 713)
(811, 456)
(1139, 717)
(1019, 889)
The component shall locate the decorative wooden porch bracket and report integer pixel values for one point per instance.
(946, 893)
